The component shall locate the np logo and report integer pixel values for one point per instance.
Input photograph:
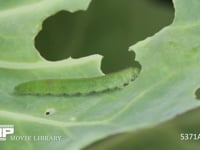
(5, 130)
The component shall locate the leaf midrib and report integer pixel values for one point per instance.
(26, 7)
(30, 118)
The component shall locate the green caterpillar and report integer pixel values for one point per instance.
(79, 86)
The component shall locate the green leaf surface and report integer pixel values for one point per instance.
(166, 85)
(181, 132)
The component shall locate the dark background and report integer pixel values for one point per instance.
(108, 27)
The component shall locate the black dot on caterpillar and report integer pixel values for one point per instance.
(79, 86)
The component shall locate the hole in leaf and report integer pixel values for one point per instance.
(49, 111)
(197, 94)
(165, 2)
(108, 28)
